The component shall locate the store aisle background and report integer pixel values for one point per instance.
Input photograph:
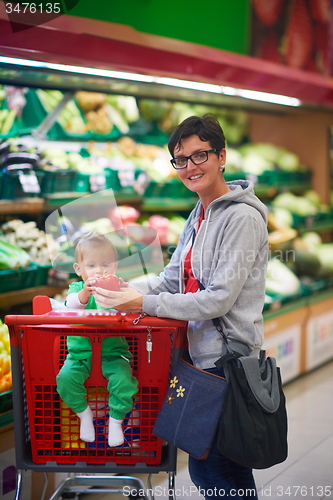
(308, 471)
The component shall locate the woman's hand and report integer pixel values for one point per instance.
(127, 300)
(122, 283)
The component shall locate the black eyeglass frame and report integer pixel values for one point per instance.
(173, 160)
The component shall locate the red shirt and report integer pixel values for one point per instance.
(191, 283)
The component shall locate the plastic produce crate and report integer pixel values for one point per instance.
(6, 401)
(86, 183)
(33, 114)
(12, 188)
(113, 135)
(48, 428)
(58, 132)
(82, 184)
(18, 279)
(60, 181)
(312, 287)
(122, 181)
(6, 408)
(168, 189)
(284, 178)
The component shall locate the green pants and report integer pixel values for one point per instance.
(122, 386)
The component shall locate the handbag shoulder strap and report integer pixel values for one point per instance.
(230, 346)
(216, 321)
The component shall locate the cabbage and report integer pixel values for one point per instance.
(296, 204)
(287, 161)
(267, 151)
(312, 240)
(234, 161)
(324, 253)
(313, 197)
(284, 216)
(280, 279)
(255, 164)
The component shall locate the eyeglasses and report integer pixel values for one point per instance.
(196, 158)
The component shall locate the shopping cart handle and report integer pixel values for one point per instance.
(93, 318)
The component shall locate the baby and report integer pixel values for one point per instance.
(95, 256)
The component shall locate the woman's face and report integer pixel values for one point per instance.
(205, 179)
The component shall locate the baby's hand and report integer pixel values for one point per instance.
(89, 285)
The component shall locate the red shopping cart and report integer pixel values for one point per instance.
(47, 431)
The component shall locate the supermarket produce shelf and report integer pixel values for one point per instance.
(6, 409)
(298, 187)
(160, 204)
(38, 205)
(24, 205)
(59, 199)
(6, 419)
(25, 296)
(295, 303)
(262, 190)
(318, 226)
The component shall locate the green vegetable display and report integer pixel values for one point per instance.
(280, 279)
(12, 257)
(299, 205)
(70, 117)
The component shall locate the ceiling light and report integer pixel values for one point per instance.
(187, 84)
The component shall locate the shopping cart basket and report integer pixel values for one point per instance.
(47, 432)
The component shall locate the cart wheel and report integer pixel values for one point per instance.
(171, 481)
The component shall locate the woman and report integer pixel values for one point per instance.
(224, 247)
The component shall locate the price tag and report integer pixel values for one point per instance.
(29, 182)
(97, 182)
(126, 178)
(141, 183)
(309, 221)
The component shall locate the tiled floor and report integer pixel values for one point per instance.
(308, 471)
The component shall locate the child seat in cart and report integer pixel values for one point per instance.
(47, 431)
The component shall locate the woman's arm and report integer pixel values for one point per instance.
(168, 280)
(231, 271)
(224, 279)
(130, 298)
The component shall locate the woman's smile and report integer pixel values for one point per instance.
(195, 177)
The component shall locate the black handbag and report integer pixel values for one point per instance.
(253, 426)
(191, 410)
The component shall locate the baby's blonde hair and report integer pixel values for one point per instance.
(91, 240)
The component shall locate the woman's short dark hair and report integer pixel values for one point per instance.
(207, 128)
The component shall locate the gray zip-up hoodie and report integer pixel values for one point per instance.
(229, 257)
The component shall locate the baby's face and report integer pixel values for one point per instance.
(97, 263)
